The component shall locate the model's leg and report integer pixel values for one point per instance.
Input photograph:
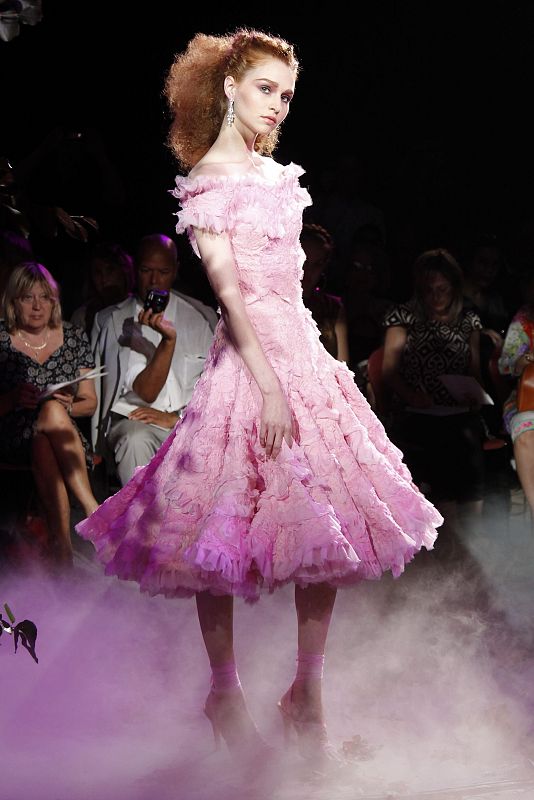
(225, 707)
(314, 606)
(53, 496)
(301, 706)
(54, 423)
(216, 617)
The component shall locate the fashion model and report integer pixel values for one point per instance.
(278, 471)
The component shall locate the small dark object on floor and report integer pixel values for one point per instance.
(26, 631)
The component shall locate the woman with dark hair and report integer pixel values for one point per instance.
(110, 279)
(426, 338)
(327, 309)
(483, 263)
(38, 349)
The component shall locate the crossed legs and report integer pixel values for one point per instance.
(58, 463)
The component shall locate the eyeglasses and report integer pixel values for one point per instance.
(28, 299)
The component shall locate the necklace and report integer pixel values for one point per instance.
(34, 347)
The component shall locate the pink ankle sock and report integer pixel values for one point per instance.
(309, 666)
(224, 677)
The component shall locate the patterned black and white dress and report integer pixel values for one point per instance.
(433, 349)
(442, 451)
(64, 364)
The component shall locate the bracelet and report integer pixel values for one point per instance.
(529, 357)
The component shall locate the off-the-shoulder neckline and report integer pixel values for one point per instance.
(196, 180)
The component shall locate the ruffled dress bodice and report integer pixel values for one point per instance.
(263, 219)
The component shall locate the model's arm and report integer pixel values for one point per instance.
(217, 258)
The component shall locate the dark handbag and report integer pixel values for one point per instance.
(525, 389)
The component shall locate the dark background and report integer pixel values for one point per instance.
(432, 101)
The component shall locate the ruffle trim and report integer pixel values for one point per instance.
(211, 202)
(187, 187)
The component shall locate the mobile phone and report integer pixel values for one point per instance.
(156, 300)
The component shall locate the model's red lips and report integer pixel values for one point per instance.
(271, 119)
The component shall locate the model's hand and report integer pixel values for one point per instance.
(150, 416)
(276, 424)
(25, 395)
(158, 323)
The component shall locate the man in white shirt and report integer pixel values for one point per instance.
(152, 361)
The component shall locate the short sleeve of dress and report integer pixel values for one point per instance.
(206, 203)
(401, 315)
(80, 346)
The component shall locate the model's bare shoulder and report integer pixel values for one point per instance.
(215, 168)
(213, 165)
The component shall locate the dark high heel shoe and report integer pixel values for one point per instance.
(231, 722)
(312, 737)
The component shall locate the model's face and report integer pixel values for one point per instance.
(34, 308)
(155, 270)
(262, 97)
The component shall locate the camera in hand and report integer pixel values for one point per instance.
(156, 300)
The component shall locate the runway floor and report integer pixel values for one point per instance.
(434, 671)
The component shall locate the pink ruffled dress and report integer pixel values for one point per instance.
(210, 511)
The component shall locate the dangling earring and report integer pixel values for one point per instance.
(230, 116)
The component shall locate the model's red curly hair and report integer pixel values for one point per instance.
(194, 87)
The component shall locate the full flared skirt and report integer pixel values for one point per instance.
(212, 512)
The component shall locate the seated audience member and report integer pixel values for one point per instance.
(430, 336)
(327, 309)
(14, 249)
(365, 297)
(340, 204)
(153, 360)
(37, 350)
(518, 353)
(110, 279)
(482, 266)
